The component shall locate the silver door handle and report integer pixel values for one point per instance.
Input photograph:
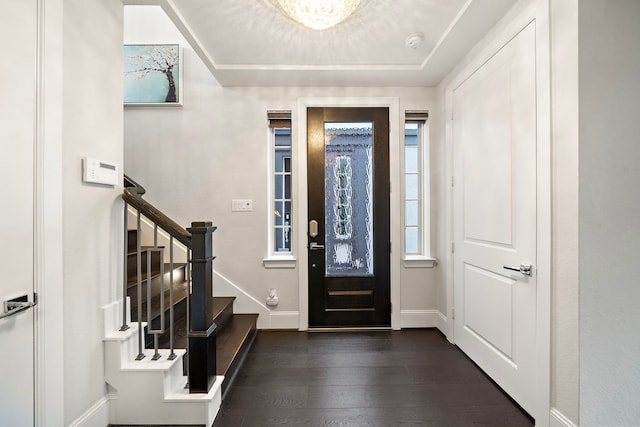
(15, 306)
(314, 246)
(524, 268)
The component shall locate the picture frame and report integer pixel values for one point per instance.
(152, 74)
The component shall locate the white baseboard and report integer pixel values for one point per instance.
(420, 319)
(557, 419)
(443, 323)
(96, 416)
(284, 320)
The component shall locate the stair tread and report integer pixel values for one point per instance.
(231, 338)
(234, 337)
(133, 280)
(181, 335)
(148, 364)
(220, 304)
(133, 250)
(179, 294)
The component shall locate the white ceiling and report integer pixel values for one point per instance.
(251, 43)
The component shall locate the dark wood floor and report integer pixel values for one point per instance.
(390, 378)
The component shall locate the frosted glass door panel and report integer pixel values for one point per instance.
(348, 187)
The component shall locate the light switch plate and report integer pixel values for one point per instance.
(241, 205)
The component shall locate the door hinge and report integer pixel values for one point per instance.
(453, 314)
(390, 307)
(453, 248)
(453, 181)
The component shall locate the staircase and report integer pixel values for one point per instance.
(147, 391)
(160, 296)
(234, 333)
(234, 336)
(152, 390)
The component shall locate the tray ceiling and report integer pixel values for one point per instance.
(251, 43)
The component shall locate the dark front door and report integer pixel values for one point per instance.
(348, 235)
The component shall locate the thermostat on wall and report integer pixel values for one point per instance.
(99, 172)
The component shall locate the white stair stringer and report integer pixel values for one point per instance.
(151, 391)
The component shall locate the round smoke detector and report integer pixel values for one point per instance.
(414, 40)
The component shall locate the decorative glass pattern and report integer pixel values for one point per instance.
(349, 199)
(342, 191)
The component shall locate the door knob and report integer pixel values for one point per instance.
(524, 268)
(16, 305)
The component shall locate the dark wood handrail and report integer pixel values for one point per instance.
(132, 194)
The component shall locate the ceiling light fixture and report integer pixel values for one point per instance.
(319, 14)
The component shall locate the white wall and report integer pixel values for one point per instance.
(564, 327)
(193, 160)
(609, 58)
(440, 192)
(92, 215)
(50, 354)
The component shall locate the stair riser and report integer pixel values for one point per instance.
(132, 264)
(144, 394)
(156, 289)
(132, 242)
(238, 361)
(179, 311)
(222, 318)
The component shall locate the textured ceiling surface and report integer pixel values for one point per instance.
(252, 43)
(257, 33)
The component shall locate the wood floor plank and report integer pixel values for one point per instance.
(382, 378)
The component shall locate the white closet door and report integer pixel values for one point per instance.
(18, 24)
(494, 137)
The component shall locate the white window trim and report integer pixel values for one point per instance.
(276, 260)
(280, 261)
(423, 258)
(419, 261)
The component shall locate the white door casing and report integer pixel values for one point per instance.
(300, 170)
(18, 109)
(494, 216)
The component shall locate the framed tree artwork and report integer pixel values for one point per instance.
(152, 74)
